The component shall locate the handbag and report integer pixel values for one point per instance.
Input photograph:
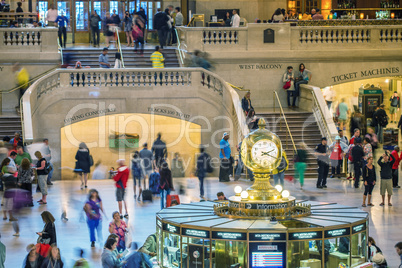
(287, 85)
(91, 161)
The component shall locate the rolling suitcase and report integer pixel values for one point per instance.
(146, 195)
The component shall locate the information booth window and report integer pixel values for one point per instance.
(337, 247)
(267, 250)
(171, 245)
(196, 250)
(359, 244)
(231, 252)
(305, 249)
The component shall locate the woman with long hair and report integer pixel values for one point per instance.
(48, 234)
(92, 208)
(303, 77)
(128, 27)
(33, 259)
(228, 19)
(53, 260)
(42, 176)
(83, 163)
(25, 174)
(369, 180)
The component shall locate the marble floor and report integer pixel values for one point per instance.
(66, 195)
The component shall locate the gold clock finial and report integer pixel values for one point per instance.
(261, 123)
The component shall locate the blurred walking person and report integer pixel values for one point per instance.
(53, 260)
(138, 34)
(225, 159)
(95, 31)
(146, 162)
(62, 22)
(159, 150)
(395, 167)
(83, 164)
(358, 161)
(137, 174)
(203, 167)
(301, 163)
(47, 154)
(10, 182)
(92, 208)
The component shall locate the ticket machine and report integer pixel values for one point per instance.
(369, 100)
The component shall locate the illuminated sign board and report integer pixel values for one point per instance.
(337, 232)
(229, 235)
(171, 228)
(267, 254)
(195, 232)
(267, 236)
(305, 235)
(358, 228)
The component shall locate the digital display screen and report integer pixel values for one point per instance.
(268, 254)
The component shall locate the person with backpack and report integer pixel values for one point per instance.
(381, 118)
(203, 167)
(137, 174)
(94, 22)
(300, 163)
(166, 183)
(279, 172)
(337, 150)
(42, 176)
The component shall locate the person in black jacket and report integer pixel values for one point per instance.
(381, 119)
(246, 103)
(386, 176)
(322, 152)
(33, 259)
(369, 179)
(83, 164)
(48, 235)
(161, 25)
(159, 150)
(166, 183)
(357, 156)
(203, 166)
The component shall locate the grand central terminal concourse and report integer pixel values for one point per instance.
(200, 133)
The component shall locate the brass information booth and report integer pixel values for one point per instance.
(262, 226)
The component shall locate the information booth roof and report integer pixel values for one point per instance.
(197, 220)
(213, 222)
(322, 222)
(237, 224)
(264, 225)
(348, 219)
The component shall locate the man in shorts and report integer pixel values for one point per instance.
(121, 178)
(386, 176)
(146, 162)
(394, 107)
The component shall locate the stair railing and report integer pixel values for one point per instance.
(119, 46)
(286, 122)
(322, 122)
(179, 49)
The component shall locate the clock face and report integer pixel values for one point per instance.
(264, 153)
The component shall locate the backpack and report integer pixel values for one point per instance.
(154, 180)
(283, 165)
(210, 169)
(48, 168)
(136, 169)
(383, 121)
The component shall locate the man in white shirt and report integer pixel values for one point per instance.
(12, 167)
(329, 95)
(51, 16)
(235, 19)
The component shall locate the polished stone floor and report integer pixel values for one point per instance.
(66, 195)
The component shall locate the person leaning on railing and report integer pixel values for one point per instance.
(303, 77)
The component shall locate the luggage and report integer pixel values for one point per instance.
(154, 179)
(146, 195)
(170, 198)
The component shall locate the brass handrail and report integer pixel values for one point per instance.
(286, 121)
(119, 47)
(322, 117)
(238, 88)
(179, 47)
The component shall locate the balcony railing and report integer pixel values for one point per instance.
(173, 79)
(291, 37)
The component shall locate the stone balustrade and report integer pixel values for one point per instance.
(287, 36)
(23, 44)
